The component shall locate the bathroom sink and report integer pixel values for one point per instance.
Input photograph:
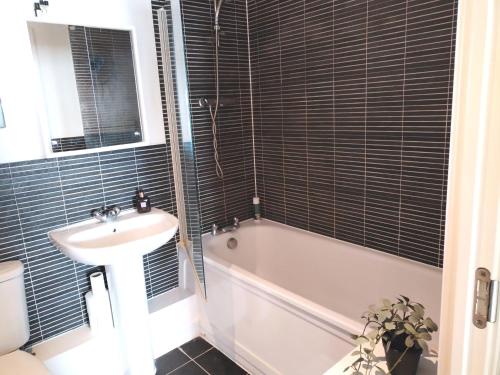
(120, 245)
(132, 234)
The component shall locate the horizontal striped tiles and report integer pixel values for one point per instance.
(353, 104)
(210, 199)
(353, 118)
(41, 195)
(220, 199)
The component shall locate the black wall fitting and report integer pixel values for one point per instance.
(37, 6)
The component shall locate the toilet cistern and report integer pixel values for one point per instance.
(15, 330)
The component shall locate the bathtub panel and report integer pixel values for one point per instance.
(262, 334)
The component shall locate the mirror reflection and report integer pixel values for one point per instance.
(89, 85)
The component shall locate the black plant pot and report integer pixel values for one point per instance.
(409, 363)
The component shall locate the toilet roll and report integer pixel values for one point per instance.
(97, 284)
(98, 306)
(92, 312)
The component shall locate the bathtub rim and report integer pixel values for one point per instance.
(250, 222)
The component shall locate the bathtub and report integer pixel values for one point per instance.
(285, 301)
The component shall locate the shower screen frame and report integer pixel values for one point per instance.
(176, 94)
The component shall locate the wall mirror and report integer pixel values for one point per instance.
(88, 84)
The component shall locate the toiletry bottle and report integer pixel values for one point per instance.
(256, 209)
(143, 202)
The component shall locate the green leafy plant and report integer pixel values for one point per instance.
(402, 320)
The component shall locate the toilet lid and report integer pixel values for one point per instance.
(21, 363)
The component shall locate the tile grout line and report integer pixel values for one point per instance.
(307, 129)
(145, 258)
(446, 151)
(181, 366)
(245, 176)
(61, 188)
(198, 355)
(185, 364)
(101, 180)
(200, 366)
(402, 133)
(191, 359)
(367, 23)
(283, 151)
(37, 312)
(334, 148)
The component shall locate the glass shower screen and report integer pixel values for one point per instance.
(173, 77)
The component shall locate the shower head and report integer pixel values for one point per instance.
(217, 6)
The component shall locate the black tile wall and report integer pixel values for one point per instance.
(353, 106)
(220, 199)
(210, 199)
(38, 196)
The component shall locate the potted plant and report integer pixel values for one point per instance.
(402, 328)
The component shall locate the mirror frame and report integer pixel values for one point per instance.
(150, 137)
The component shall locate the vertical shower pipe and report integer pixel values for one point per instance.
(172, 125)
(213, 114)
(256, 199)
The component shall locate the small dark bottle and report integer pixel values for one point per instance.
(143, 202)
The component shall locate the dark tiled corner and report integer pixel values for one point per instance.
(196, 347)
(171, 361)
(190, 368)
(216, 363)
(196, 357)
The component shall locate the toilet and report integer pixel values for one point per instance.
(14, 331)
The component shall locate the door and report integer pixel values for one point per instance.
(473, 212)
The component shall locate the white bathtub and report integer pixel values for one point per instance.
(285, 300)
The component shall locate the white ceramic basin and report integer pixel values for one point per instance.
(132, 234)
(120, 245)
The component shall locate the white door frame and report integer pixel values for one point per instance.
(473, 214)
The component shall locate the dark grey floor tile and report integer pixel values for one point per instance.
(217, 363)
(196, 347)
(170, 361)
(189, 369)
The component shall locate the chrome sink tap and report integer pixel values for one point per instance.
(106, 214)
(216, 230)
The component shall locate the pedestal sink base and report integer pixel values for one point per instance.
(130, 314)
(120, 245)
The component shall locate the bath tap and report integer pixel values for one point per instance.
(106, 214)
(216, 230)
